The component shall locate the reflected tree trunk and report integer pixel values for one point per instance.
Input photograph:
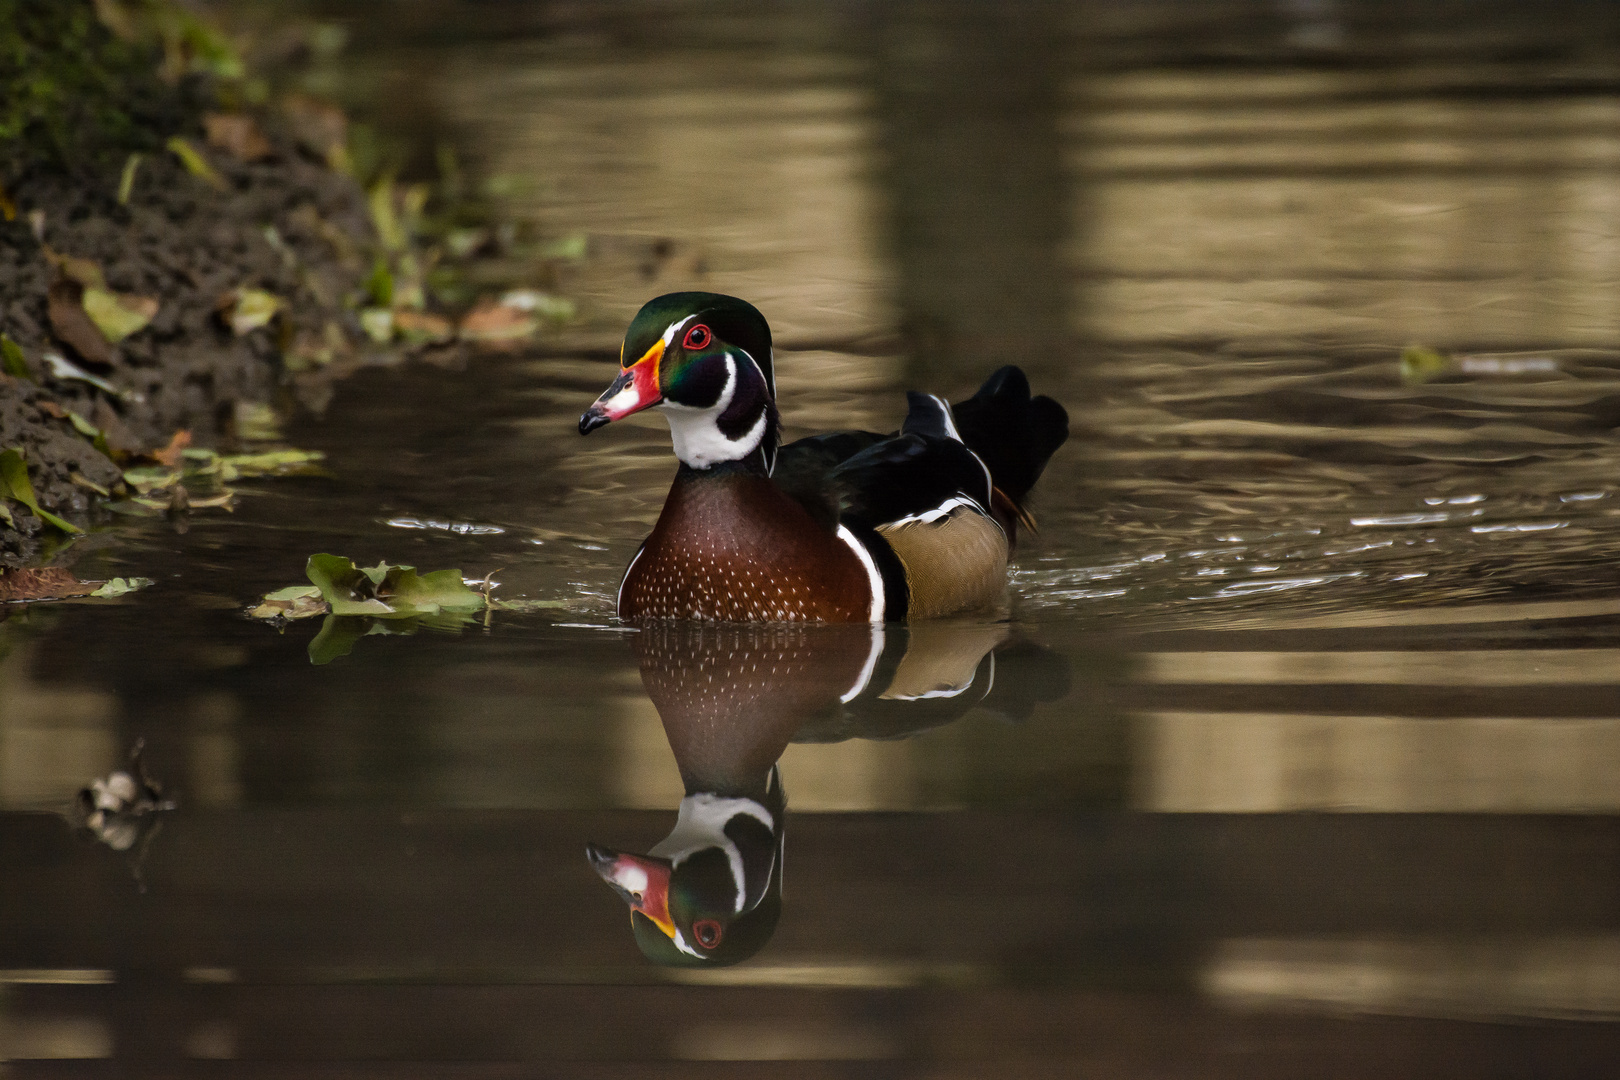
(968, 99)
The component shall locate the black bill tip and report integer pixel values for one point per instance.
(594, 418)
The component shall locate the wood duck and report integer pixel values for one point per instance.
(731, 698)
(850, 526)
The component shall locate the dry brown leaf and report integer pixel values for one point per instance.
(494, 323)
(239, 135)
(170, 455)
(44, 583)
(74, 328)
(418, 327)
(84, 271)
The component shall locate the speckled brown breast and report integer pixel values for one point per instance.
(733, 548)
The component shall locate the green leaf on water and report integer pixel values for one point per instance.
(527, 605)
(336, 638)
(122, 586)
(14, 484)
(272, 463)
(257, 422)
(147, 478)
(389, 592)
(11, 357)
(1419, 363)
(293, 602)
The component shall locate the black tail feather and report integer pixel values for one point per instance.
(1014, 434)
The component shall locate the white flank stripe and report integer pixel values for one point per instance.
(873, 578)
(944, 508)
(618, 597)
(871, 664)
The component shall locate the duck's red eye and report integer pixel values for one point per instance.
(698, 337)
(708, 932)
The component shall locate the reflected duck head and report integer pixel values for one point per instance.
(710, 893)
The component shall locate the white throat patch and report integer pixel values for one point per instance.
(696, 433)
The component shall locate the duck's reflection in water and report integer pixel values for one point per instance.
(732, 698)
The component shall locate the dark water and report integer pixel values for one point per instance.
(1299, 754)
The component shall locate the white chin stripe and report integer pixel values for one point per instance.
(696, 433)
(701, 823)
(873, 578)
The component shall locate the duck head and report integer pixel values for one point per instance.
(705, 360)
(710, 893)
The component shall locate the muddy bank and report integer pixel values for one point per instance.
(284, 223)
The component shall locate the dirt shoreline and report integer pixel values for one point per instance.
(286, 224)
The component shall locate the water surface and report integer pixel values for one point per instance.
(1321, 760)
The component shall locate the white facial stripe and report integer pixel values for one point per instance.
(674, 328)
(871, 663)
(701, 823)
(698, 440)
(873, 578)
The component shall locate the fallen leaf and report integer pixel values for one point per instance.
(256, 422)
(14, 484)
(238, 134)
(294, 602)
(496, 323)
(122, 587)
(63, 368)
(8, 209)
(84, 271)
(126, 181)
(147, 478)
(13, 360)
(244, 309)
(44, 583)
(378, 323)
(419, 328)
(97, 437)
(461, 243)
(169, 456)
(545, 305)
(72, 325)
(385, 591)
(80, 480)
(272, 463)
(527, 605)
(118, 315)
(195, 163)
